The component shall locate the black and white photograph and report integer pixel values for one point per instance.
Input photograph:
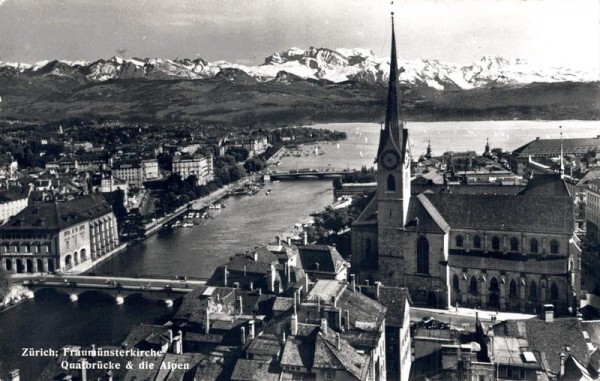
(299, 190)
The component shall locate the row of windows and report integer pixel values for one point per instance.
(26, 248)
(495, 287)
(514, 244)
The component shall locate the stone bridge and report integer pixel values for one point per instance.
(294, 175)
(118, 287)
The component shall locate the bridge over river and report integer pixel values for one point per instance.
(303, 174)
(119, 287)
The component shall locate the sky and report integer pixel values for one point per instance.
(563, 33)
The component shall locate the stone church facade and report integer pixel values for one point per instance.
(505, 252)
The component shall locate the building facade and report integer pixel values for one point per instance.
(63, 237)
(129, 170)
(194, 165)
(592, 212)
(506, 252)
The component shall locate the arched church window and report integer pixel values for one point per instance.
(477, 242)
(514, 244)
(533, 245)
(391, 183)
(553, 291)
(532, 290)
(513, 289)
(494, 285)
(459, 241)
(422, 255)
(473, 285)
(554, 246)
(495, 243)
(455, 283)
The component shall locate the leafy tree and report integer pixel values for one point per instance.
(239, 153)
(4, 283)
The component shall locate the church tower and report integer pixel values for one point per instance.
(393, 174)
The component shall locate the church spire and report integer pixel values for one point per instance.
(392, 130)
(562, 164)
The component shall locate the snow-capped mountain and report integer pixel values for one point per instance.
(315, 63)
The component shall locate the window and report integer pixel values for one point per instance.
(554, 291)
(391, 183)
(532, 290)
(473, 285)
(494, 285)
(455, 283)
(477, 242)
(422, 255)
(513, 289)
(554, 246)
(459, 241)
(495, 243)
(533, 245)
(514, 244)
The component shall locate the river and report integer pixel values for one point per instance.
(246, 222)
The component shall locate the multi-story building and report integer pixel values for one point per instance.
(66, 237)
(12, 202)
(196, 165)
(592, 211)
(507, 252)
(150, 169)
(130, 170)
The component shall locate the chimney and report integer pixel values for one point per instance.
(225, 272)
(338, 345)
(324, 326)
(13, 375)
(260, 291)
(255, 256)
(305, 239)
(283, 338)
(289, 241)
(353, 282)
(83, 362)
(207, 322)
(347, 320)
(294, 328)
(549, 313)
(170, 336)
(109, 375)
(306, 282)
(278, 238)
(334, 301)
(562, 364)
(295, 302)
(251, 286)
(288, 272)
(243, 335)
(252, 331)
(178, 343)
(240, 305)
(377, 289)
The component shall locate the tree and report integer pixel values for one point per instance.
(4, 283)
(239, 153)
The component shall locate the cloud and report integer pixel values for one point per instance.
(2, 2)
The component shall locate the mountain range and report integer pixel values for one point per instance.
(293, 86)
(335, 65)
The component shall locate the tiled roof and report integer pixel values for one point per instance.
(328, 356)
(513, 213)
(368, 215)
(546, 185)
(394, 299)
(328, 258)
(58, 216)
(563, 335)
(254, 370)
(552, 146)
(362, 308)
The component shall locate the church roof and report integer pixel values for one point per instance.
(546, 185)
(551, 147)
(505, 212)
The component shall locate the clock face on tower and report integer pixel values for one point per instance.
(390, 159)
